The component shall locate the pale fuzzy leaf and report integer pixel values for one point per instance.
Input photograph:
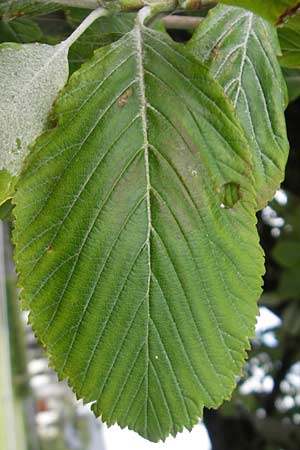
(31, 76)
(140, 282)
(241, 50)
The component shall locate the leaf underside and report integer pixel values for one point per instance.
(31, 76)
(240, 49)
(141, 286)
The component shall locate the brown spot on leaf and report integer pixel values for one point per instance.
(217, 52)
(49, 248)
(124, 97)
(287, 13)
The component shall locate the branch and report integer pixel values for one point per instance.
(181, 22)
(135, 5)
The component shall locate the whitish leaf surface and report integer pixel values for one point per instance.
(30, 78)
(276, 11)
(141, 285)
(240, 49)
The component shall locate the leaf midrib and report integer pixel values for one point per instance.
(143, 112)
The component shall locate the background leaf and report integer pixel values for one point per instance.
(240, 49)
(141, 284)
(292, 78)
(16, 8)
(20, 30)
(289, 37)
(276, 11)
(104, 31)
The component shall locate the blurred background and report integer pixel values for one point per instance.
(38, 412)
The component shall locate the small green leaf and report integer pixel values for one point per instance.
(240, 49)
(141, 286)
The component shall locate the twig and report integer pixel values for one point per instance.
(181, 22)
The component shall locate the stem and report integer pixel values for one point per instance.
(144, 14)
(181, 22)
(94, 15)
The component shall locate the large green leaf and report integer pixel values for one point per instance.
(289, 37)
(240, 49)
(276, 11)
(141, 283)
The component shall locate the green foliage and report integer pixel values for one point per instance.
(289, 37)
(6, 210)
(286, 253)
(148, 240)
(16, 8)
(292, 78)
(276, 11)
(240, 49)
(104, 31)
(7, 186)
(20, 30)
(135, 226)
